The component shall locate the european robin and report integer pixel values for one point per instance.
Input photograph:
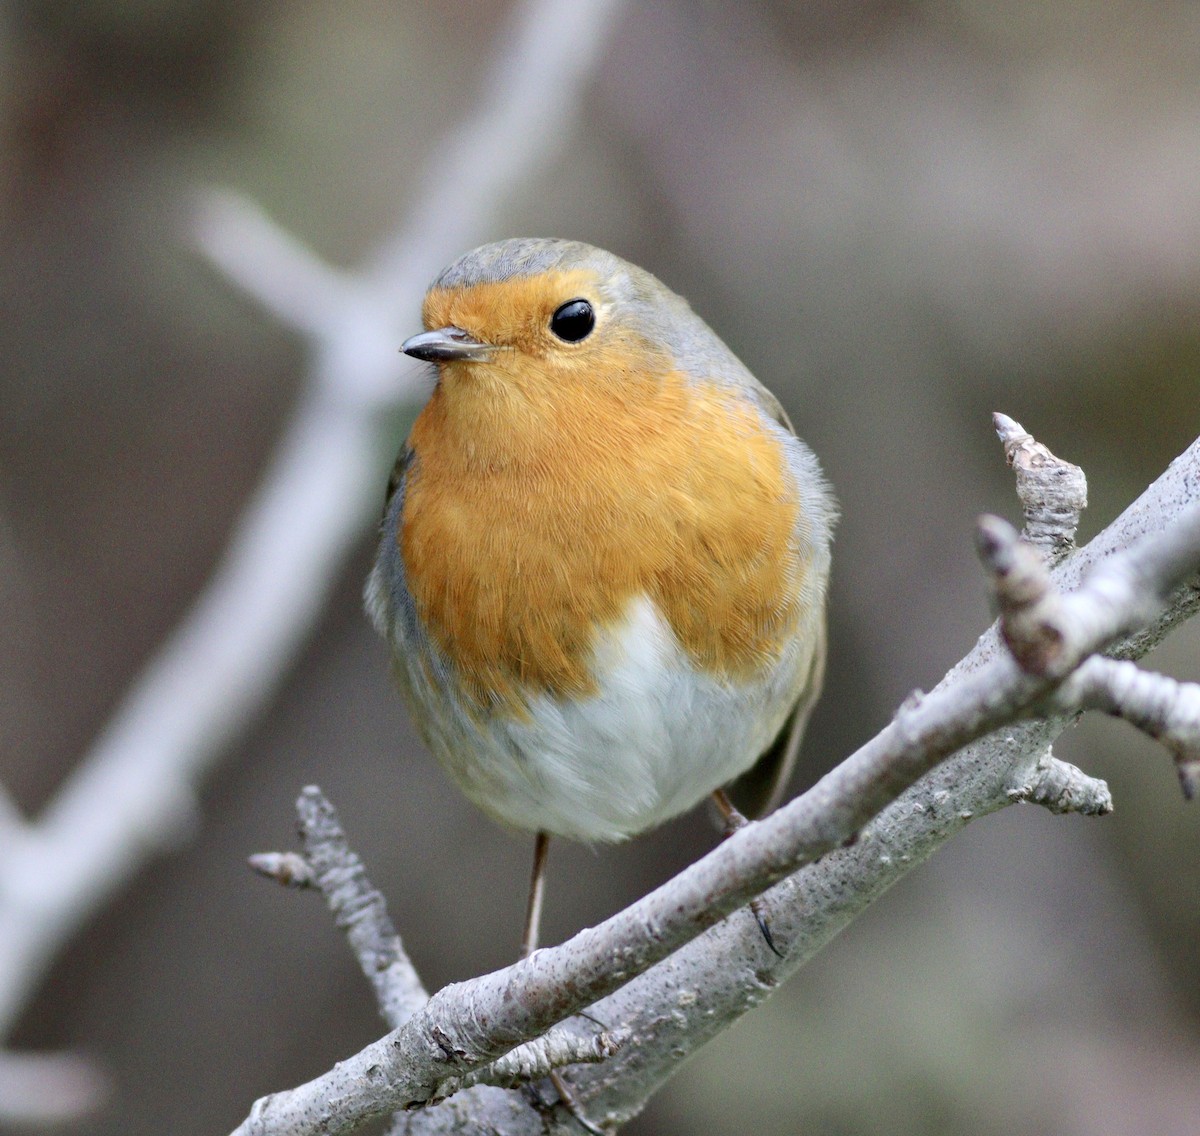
(604, 558)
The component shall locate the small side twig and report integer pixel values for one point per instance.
(1053, 492)
(536, 1059)
(331, 866)
(1062, 788)
(1032, 616)
(1161, 707)
(287, 868)
(272, 265)
(1120, 595)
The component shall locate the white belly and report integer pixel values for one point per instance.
(656, 739)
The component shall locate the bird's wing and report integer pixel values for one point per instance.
(396, 479)
(760, 790)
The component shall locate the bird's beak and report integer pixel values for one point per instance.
(447, 345)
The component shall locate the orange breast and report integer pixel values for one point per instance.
(536, 510)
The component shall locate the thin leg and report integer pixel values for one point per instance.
(537, 891)
(529, 942)
(733, 821)
(729, 812)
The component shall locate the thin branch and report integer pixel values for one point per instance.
(1027, 602)
(1121, 594)
(331, 866)
(1161, 707)
(359, 909)
(270, 264)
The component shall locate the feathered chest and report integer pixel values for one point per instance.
(516, 559)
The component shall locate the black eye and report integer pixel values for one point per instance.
(573, 321)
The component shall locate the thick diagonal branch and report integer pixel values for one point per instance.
(476, 1022)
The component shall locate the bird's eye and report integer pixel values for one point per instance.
(573, 321)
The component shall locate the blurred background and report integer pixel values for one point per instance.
(903, 215)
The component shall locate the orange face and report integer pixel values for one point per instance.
(556, 482)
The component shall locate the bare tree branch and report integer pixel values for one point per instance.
(1028, 603)
(358, 907)
(282, 273)
(470, 1024)
(329, 864)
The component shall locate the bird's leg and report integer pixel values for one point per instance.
(731, 816)
(733, 820)
(529, 942)
(537, 891)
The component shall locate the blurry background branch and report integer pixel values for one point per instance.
(134, 793)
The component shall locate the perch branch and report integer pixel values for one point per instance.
(477, 1021)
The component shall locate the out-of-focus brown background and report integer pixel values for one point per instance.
(903, 216)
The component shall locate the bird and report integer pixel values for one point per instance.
(603, 562)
